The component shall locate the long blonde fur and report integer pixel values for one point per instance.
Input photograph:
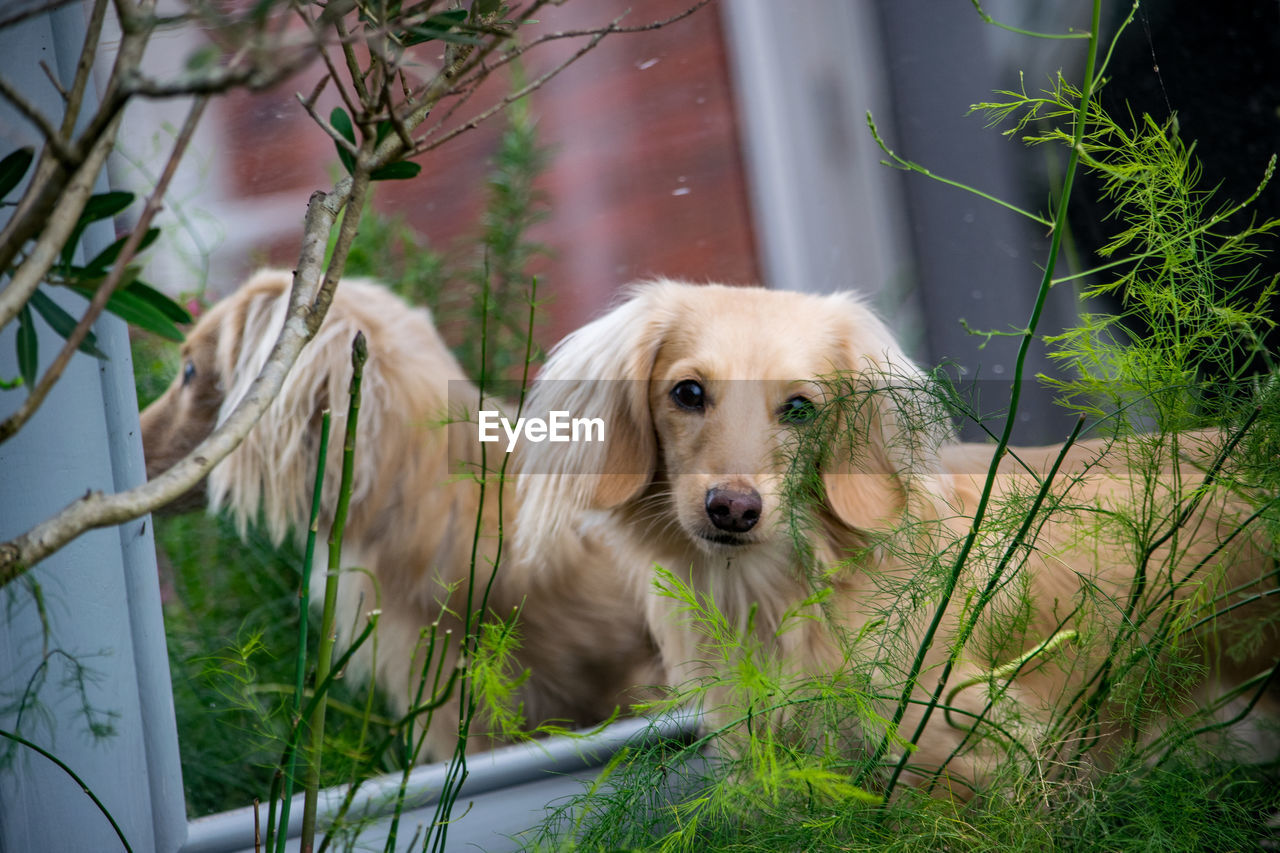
(407, 549)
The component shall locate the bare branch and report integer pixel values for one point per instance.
(47, 195)
(614, 28)
(33, 11)
(10, 425)
(463, 91)
(84, 65)
(53, 80)
(269, 64)
(57, 227)
(611, 28)
(221, 79)
(99, 510)
(401, 131)
(485, 115)
(58, 140)
(470, 82)
(51, 136)
(357, 78)
(458, 66)
(308, 104)
(337, 81)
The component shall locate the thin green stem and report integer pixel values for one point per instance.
(1059, 226)
(1029, 518)
(1103, 677)
(457, 772)
(61, 765)
(987, 18)
(304, 607)
(910, 166)
(413, 745)
(1263, 682)
(328, 632)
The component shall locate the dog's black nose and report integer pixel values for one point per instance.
(733, 511)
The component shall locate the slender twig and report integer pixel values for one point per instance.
(287, 59)
(56, 193)
(55, 230)
(987, 18)
(899, 162)
(486, 66)
(353, 65)
(308, 104)
(84, 66)
(53, 79)
(485, 115)
(392, 116)
(10, 425)
(609, 29)
(345, 41)
(52, 138)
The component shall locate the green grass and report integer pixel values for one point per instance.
(231, 623)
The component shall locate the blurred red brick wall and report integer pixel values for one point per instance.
(646, 177)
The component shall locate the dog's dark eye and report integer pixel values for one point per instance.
(797, 410)
(188, 372)
(689, 395)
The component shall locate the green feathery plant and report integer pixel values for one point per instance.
(1192, 314)
(1121, 762)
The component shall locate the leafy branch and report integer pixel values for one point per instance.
(255, 49)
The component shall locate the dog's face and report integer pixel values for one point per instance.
(728, 392)
(189, 409)
(726, 383)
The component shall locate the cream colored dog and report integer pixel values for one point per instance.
(708, 392)
(414, 504)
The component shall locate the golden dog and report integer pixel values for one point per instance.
(707, 391)
(414, 501)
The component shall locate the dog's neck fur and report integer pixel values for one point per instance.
(761, 590)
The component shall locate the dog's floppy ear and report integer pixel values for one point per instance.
(274, 467)
(599, 373)
(883, 465)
